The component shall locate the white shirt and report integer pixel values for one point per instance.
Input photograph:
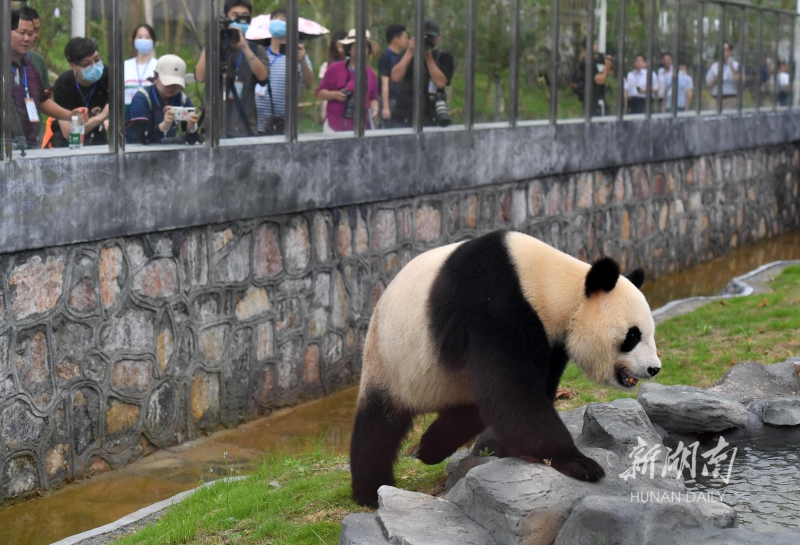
(637, 79)
(728, 81)
(136, 76)
(664, 81)
(783, 81)
(685, 84)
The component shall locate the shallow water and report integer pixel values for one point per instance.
(110, 496)
(764, 484)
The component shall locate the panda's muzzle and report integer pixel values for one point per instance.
(625, 379)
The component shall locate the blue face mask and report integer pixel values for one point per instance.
(93, 73)
(277, 28)
(143, 45)
(241, 26)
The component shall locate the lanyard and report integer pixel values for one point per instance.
(138, 75)
(276, 55)
(85, 100)
(238, 63)
(24, 76)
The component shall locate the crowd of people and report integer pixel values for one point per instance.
(253, 84)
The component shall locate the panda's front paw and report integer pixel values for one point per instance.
(579, 467)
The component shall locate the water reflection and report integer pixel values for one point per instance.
(764, 481)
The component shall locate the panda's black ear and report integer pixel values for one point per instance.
(636, 278)
(602, 276)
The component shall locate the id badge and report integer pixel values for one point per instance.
(239, 85)
(33, 114)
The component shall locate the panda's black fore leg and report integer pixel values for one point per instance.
(579, 467)
(451, 429)
(379, 428)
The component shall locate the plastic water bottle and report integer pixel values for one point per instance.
(76, 130)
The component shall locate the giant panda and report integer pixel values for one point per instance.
(480, 332)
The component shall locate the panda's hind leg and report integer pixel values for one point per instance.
(452, 428)
(379, 429)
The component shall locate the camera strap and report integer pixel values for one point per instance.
(271, 103)
(239, 106)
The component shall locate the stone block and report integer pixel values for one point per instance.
(267, 260)
(19, 427)
(112, 271)
(85, 419)
(322, 242)
(695, 201)
(428, 224)
(604, 187)
(384, 229)
(687, 410)
(35, 285)
(34, 366)
(82, 296)
(617, 426)
(161, 409)
(519, 208)
(344, 237)
(132, 329)
(470, 207)
(287, 365)
(584, 190)
(289, 315)
(748, 381)
(205, 399)
(362, 529)
(503, 207)
(213, 341)
(193, 259)
(20, 476)
(362, 236)
(164, 347)
(412, 518)
(264, 340)
(159, 278)
(97, 466)
(659, 184)
(297, 244)
(253, 303)
(333, 347)
(132, 376)
(553, 206)
(70, 341)
(406, 219)
(122, 422)
(625, 226)
(56, 461)
(234, 266)
(311, 365)
(222, 238)
(778, 411)
(318, 322)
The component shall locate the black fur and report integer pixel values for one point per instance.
(636, 278)
(631, 339)
(452, 428)
(480, 321)
(378, 431)
(602, 276)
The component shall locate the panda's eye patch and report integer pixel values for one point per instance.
(631, 339)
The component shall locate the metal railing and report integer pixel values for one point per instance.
(213, 124)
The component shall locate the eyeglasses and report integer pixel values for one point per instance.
(90, 64)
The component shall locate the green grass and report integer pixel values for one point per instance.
(314, 491)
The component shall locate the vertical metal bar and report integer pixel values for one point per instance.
(760, 58)
(469, 66)
(792, 74)
(513, 71)
(742, 57)
(420, 94)
(699, 76)
(721, 60)
(623, 27)
(588, 86)
(359, 119)
(776, 35)
(651, 24)
(6, 81)
(292, 79)
(676, 60)
(556, 57)
(213, 80)
(116, 109)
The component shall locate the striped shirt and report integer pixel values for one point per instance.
(277, 82)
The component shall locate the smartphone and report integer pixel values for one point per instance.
(182, 113)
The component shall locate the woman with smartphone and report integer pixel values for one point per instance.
(162, 113)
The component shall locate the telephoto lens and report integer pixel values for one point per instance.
(440, 108)
(348, 105)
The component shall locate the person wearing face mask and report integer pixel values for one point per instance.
(152, 116)
(84, 85)
(271, 98)
(245, 65)
(139, 69)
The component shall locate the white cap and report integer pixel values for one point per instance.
(351, 38)
(171, 70)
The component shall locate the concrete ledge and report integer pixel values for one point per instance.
(78, 198)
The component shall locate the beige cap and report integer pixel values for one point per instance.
(351, 38)
(171, 70)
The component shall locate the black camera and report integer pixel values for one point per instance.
(439, 104)
(429, 42)
(349, 105)
(227, 34)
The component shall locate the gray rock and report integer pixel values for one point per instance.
(737, 536)
(460, 470)
(362, 529)
(779, 411)
(687, 410)
(527, 503)
(786, 372)
(573, 420)
(619, 520)
(617, 426)
(486, 442)
(454, 460)
(747, 381)
(411, 518)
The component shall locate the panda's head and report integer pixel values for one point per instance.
(611, 336)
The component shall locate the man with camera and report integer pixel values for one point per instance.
(244, 66)
(436, 75)
(601, 68)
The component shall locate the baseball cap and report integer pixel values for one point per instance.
(171, 70)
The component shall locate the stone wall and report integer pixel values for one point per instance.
(111, 349)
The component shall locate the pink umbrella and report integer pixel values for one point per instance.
(308, 29)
